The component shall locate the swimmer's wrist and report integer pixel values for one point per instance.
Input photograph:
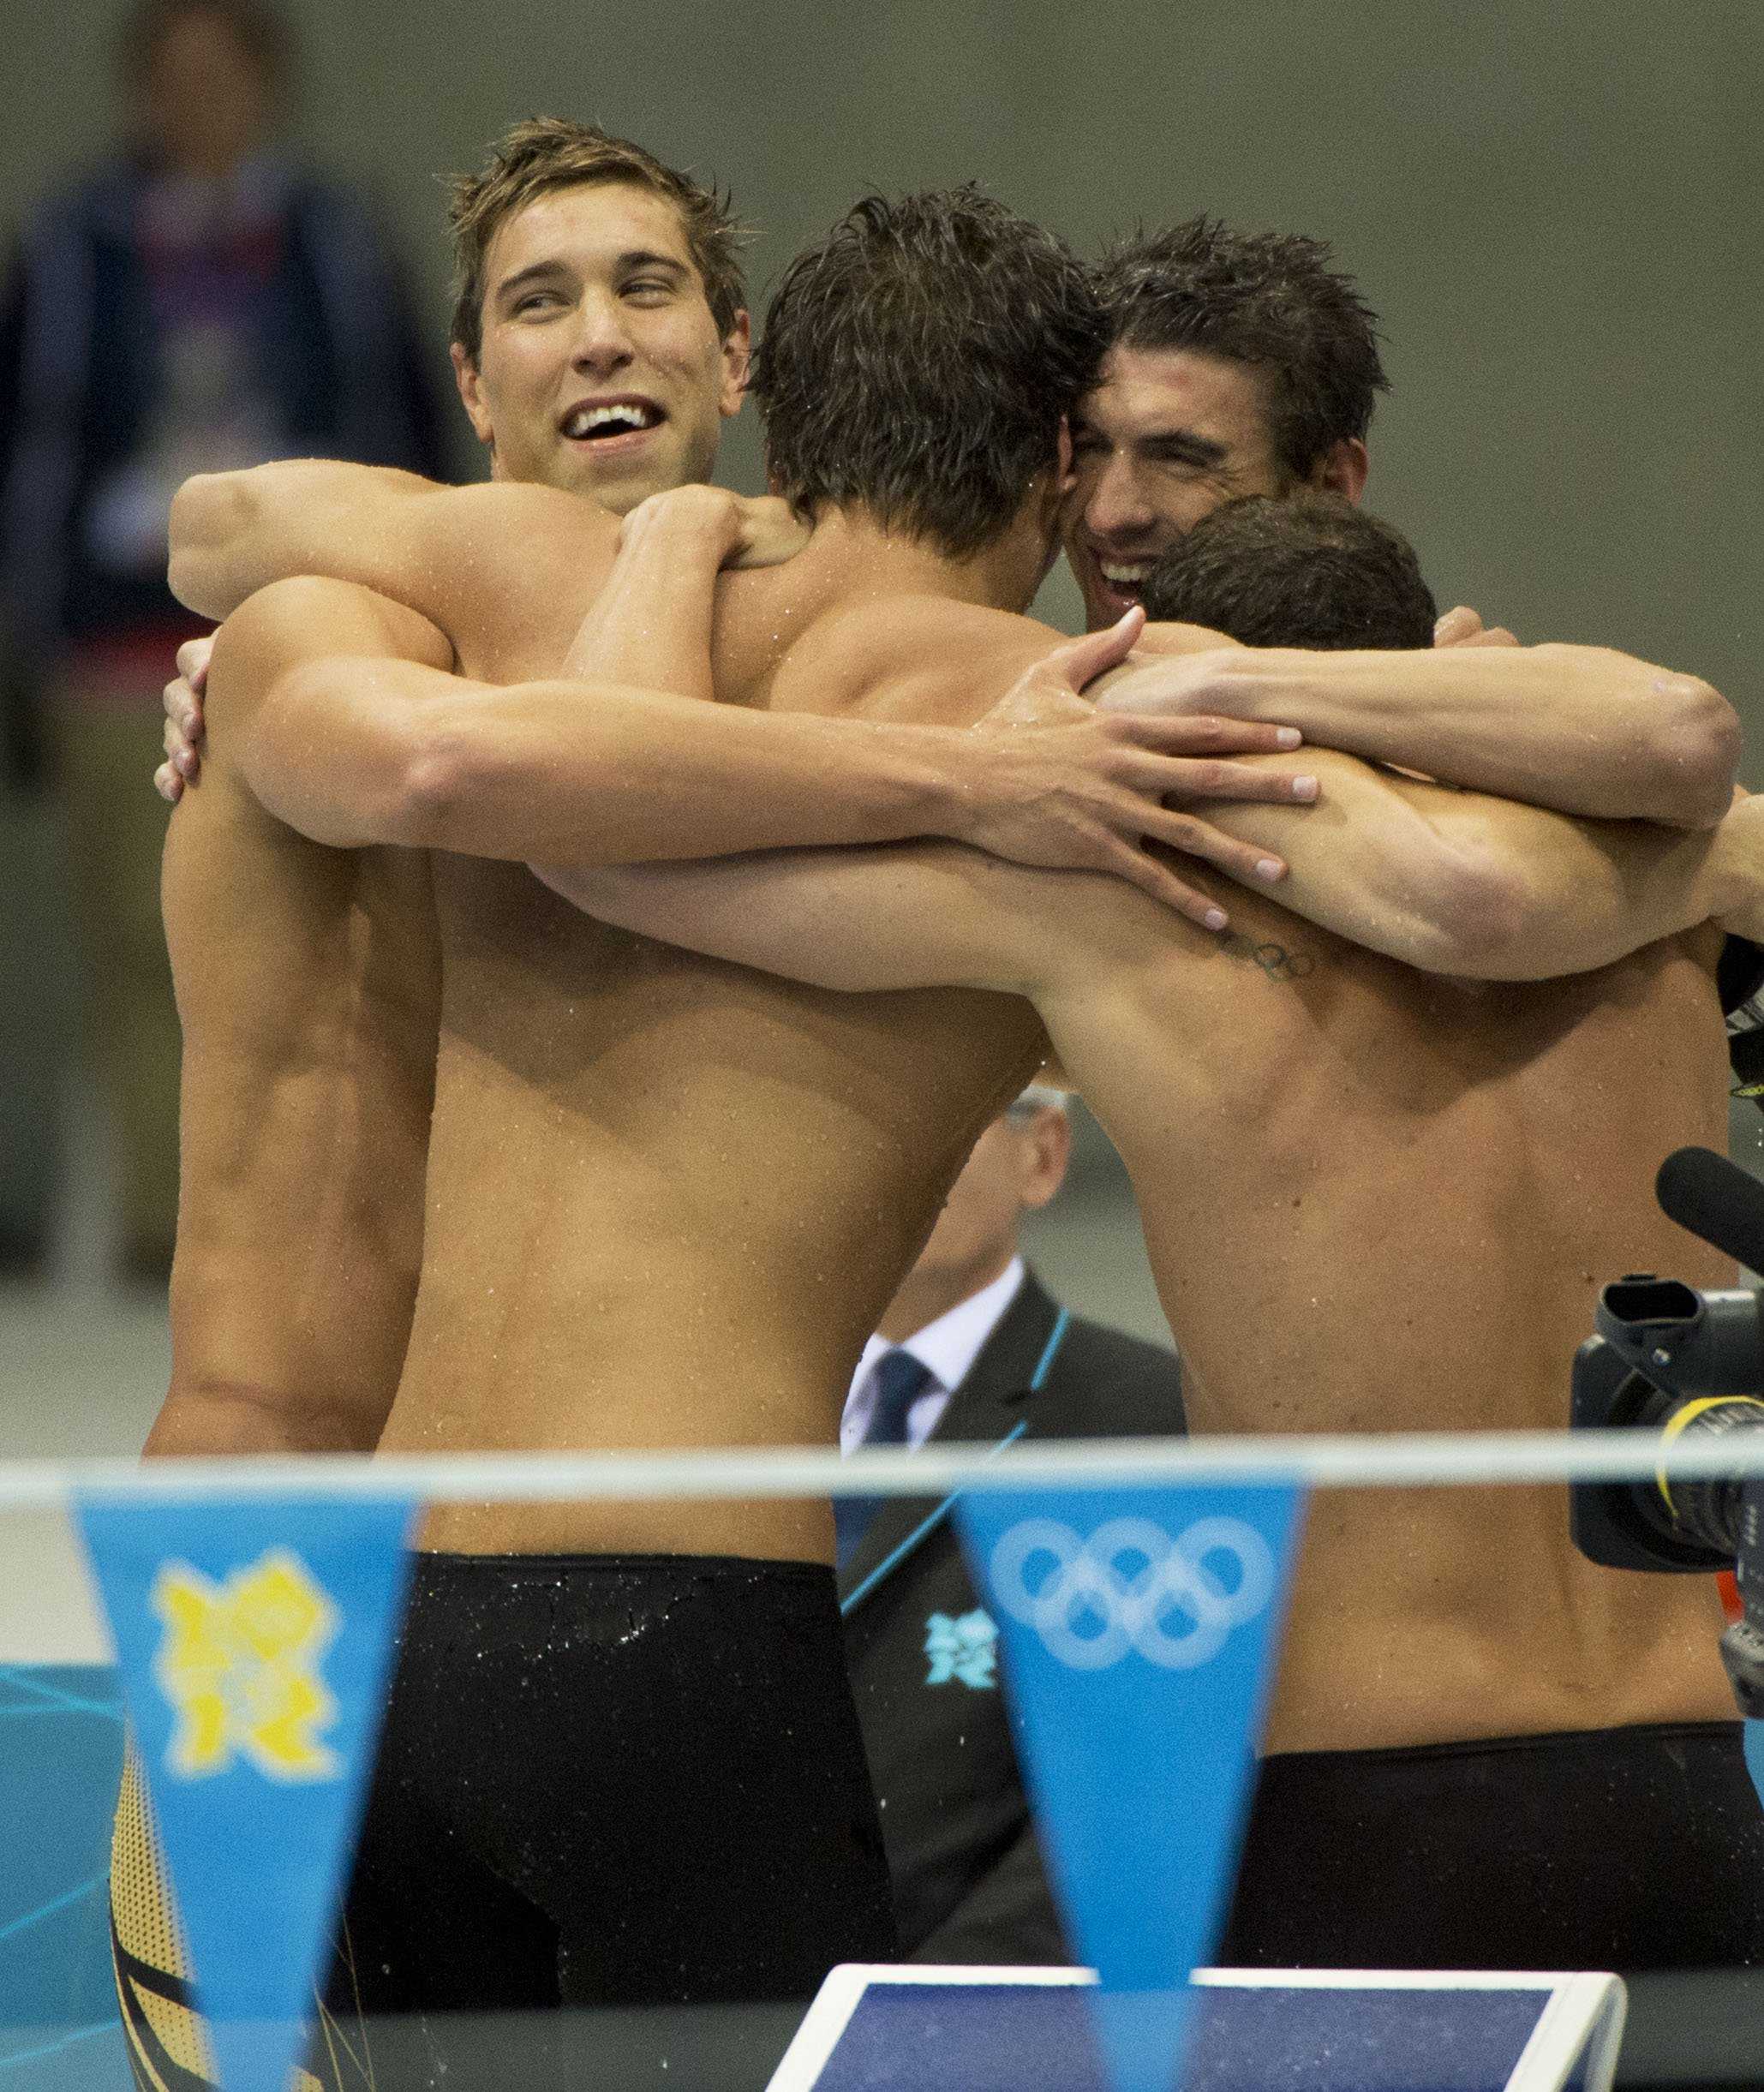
(1248, 683)
(914, 781)
(706, 517)
(959, 784)
(1734, 872)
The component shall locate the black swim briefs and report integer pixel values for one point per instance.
(1616, 1849)
(613, 1780)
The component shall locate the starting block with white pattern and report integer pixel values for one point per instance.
(901, 2029)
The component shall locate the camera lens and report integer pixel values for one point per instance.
(1709, 1512)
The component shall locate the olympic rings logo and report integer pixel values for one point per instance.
(1168, 1603)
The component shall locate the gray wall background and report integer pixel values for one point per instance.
(1553, 209)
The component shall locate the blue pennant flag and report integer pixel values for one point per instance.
(1138, 1630)
(253, 1639)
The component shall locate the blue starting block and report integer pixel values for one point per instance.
(899, 2029)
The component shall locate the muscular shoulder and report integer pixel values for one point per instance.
(918, 658)
(305, 619)
(508, 571)
(501, 527)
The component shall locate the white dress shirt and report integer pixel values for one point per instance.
(947, 1348)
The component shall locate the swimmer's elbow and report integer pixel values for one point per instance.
(1670, 747)
(1694, 751)
(1475, 919)
(210, 514)
(435, 784)
(453, 781)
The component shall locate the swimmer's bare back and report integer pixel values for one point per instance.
(1376, 1199)
(309, 989)
(666, 1199)
(669, 1198)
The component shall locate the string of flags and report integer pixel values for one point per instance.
(256, 1641)
(1139, 1630)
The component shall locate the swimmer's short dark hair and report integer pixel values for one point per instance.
(1267, 299)
(918, 360)
(545, 153)
(1307, 570)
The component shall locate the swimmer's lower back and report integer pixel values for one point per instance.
(655, 1385)
(1423, 1616)
(770, 1530)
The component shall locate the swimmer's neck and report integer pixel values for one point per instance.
(851, 552)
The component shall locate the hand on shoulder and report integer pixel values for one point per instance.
(746, 530)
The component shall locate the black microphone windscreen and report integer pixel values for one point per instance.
(1716, 1199)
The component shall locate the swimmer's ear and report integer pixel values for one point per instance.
(465, 376)
(1343, 469)
(738, 345)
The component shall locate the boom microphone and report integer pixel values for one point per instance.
(1716, 1199)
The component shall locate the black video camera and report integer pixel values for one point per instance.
(1691, 1364)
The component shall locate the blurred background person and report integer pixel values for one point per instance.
(199, 301)
(971, 1350)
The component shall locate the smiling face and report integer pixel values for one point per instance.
(1166, 437)
(600, 368)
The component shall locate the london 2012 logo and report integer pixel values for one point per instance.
(1130, 1587)
(239, 1663)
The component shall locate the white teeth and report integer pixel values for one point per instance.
(1133, 575)
(623, 417)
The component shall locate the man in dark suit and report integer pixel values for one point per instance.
(972, 1348)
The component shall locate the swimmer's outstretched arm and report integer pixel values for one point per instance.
(916, 915)
(1502, 890)
(1583, 730)
(357, 750)
(1451, 883)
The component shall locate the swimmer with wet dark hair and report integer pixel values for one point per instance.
(1309, 569)
(737, 1171)
(1381, 1157)
(742, 1167)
